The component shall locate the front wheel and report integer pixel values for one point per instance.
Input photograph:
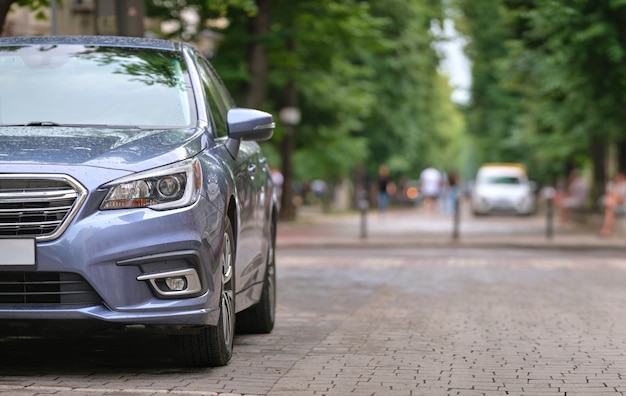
(213, 345)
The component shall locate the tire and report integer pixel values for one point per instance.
(213, 345)
(259, 318)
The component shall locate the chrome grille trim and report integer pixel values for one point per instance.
(38, 205)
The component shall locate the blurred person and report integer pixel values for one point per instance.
(319, 189)
(442, 201)
(573, 197)
(613, 202)
(278, 179)
(430, 187)
(383, 189)
(304, 189)
(453, 192)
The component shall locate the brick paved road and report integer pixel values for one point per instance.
(384, 323)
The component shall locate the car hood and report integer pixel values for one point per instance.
(121, 149)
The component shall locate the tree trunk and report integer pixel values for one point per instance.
(5, 6)
(287, 147)
(621, 156)
(290, 99)
(254, 93)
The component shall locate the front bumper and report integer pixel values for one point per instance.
(114, 257)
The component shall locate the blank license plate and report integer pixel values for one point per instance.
(17, 251)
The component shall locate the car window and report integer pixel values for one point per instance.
(84, 85)
(219, 100)
(501, 180)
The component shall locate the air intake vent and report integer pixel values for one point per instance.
(60, 289)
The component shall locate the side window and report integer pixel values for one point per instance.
(219, 88)
(218, 107)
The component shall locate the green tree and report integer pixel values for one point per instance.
(549, 81)
(577, 83)
(494, 106)
(414, 123)
(205, 11)
(315, 53)
(364, 75)
(405, 76)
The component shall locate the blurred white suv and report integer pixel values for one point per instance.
(503, 187)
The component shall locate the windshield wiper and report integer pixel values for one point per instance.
(55, 124)
(42, 123)
(32, 123)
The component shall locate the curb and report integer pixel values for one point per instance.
(381, 244)
(412, 228)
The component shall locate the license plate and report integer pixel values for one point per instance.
(17, 252)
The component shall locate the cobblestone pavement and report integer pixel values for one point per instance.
(378, 322)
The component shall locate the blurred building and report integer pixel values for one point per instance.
(77, 17)
(105, 17)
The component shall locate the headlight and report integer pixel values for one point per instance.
(170, 187)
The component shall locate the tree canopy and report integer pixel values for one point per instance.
(548, 89)
(549, 82)
(364, 74)
(368, 84)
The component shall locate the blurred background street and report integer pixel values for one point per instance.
(413, 227)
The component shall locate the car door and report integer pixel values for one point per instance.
(248, 168)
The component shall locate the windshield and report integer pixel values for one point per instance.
(500, 180)
(88, 85)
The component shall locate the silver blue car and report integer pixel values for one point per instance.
(133, 194)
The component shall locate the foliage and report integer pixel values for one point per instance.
(491, 113)
(36, 5)
(336, 89)
(549, 81)
(413, 123)
(204, 11)
(367, 82)
(578, 75)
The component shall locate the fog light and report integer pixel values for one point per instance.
(177, 283)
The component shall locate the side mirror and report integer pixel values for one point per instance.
(249, 124)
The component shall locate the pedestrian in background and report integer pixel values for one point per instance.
(383, 189)
(430, 187)
(453, 191)
(613, 202)
(278, 180)
(573, 197)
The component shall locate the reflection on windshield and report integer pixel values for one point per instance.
(93, 86)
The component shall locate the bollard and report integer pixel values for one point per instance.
(363, 206)
(457, 218)
(549, 196)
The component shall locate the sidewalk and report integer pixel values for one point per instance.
(411, 227)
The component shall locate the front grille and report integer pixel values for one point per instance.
(62, 289)
(36, 205)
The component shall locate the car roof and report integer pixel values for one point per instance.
(504, 165)
(110, 41)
